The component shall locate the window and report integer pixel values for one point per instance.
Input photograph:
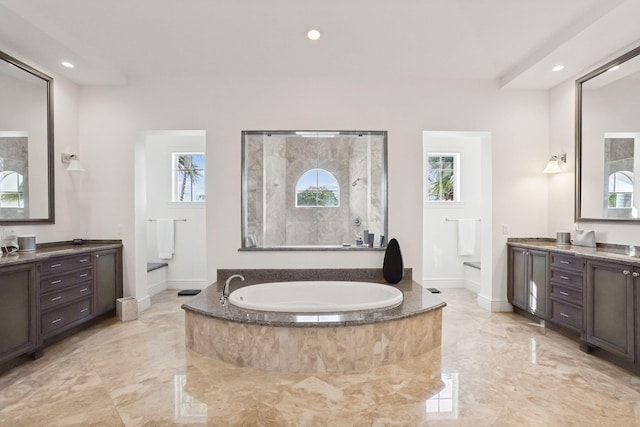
(11, 190)
(621, 189)
(319, 188)
(188, 177)
(443, 177)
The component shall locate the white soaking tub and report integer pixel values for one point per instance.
(316, 296)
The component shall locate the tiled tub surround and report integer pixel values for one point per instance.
(328, 342)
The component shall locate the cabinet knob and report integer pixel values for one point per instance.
(635, 274)
(626, 272)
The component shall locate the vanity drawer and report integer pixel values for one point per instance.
(566, 278)
(65, 263)
(64, 280)
(567, 262)
(572, 295)
(566, 314)
(60, 317)
(64, 295)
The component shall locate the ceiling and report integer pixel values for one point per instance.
(516, 42)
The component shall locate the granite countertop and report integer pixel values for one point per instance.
(53, 250)
(602, 252)
(416, 300)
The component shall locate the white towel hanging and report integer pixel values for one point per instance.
(165, 238)
(466, 236)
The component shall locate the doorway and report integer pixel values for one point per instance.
(170, 212)
(457, 206)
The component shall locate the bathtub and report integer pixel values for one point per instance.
(316, 296)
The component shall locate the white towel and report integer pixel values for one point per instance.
(164, 235)
(466, 236)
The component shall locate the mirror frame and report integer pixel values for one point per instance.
(243, 187)
(578, 135)
(50, 219)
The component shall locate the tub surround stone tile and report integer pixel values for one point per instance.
(314, 342)
(327, 342)
(329, 349)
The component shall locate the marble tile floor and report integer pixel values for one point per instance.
(498, 369)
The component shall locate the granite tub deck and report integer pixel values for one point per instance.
(346, 342)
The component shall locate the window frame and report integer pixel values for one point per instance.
(456, 172)
(175, 177)
(318, 171)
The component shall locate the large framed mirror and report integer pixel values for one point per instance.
(608, 141)
(26, 144)
(314, 190)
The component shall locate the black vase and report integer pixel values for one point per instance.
(392, 268)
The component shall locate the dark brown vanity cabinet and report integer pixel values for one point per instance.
(107, 280)
(528, 280)
(567, 291)
(611, 307)
(66, 290)
(49, 295)
(18, 313)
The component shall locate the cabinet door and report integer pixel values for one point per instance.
(107, 280)
(18, 302)
(517, 288)
(610, 316)
(538, 283)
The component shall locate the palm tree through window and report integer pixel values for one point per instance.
(188, 177)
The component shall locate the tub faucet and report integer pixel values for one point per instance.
(225, 290)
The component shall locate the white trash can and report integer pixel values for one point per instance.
(127, 309)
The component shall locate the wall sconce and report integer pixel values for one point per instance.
(555, 163)
(73, 162)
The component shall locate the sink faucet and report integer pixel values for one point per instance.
(225, 291)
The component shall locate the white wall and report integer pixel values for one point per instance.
(223, 107)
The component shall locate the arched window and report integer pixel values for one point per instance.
(11, 190)
(621, 189)
(317, 187)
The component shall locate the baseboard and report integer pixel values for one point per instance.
(451, 284)
(144, 303)
(494, 306)
(443, 283)
(187, 284)
(156, 288)
(472, 286)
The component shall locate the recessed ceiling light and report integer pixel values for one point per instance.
(313, 34)
(615, 67)
(558, 68)
(67, 64)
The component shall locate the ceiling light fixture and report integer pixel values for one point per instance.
(67, 64)
(313, 34)
(615, 67)
(558, 68)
